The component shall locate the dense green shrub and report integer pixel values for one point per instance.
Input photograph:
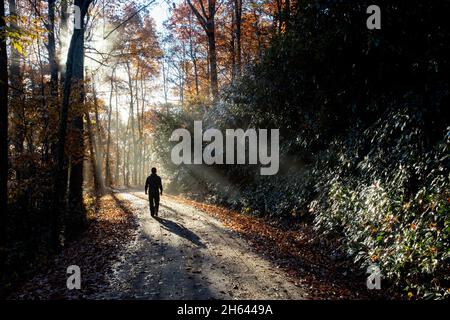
(392, 207)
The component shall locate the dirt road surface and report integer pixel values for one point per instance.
(187, 254)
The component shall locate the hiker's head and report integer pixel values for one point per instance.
(154, 170)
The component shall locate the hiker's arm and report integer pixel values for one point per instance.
(146, 186)
(160, 186)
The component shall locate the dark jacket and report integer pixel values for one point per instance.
(153, 184)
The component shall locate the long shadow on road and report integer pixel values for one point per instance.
(160, 270)
(180, 231)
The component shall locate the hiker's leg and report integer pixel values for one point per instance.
(152, 207)
(156, 197)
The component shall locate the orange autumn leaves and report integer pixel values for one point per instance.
(295, 249)
(257, 26)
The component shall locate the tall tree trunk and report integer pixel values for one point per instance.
(287, 14)
(100, 142)
(17, 105)
(64, 25)
(127, 166)
(141, 137)
(126, 156)
(279, 16)
(133, 129)
(193, 54)
(51, 47)
(93, 153)
(197, 84)
(233, 47)
(138, 142)
(54, 69)
(212, 55)
(108, 140)
(258, 32)
(45, 147)
(165, 82)
(140, 117)
(238, 22)
(3, 130)
(77, 218)
(116, 175)
(144, 153)
(74, 75)
(207, 21)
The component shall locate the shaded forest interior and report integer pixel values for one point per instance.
(90, 98)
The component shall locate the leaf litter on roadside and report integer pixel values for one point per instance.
(107, 233)
(297, 250)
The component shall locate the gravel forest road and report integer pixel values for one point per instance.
(187, 254)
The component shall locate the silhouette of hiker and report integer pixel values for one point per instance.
(153, 185)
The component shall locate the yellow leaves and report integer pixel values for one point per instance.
(22, 31)
(18, 47)
(92, 122)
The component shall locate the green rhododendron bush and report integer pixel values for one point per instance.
(391, 205)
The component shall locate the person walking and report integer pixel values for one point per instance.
(154, 187)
